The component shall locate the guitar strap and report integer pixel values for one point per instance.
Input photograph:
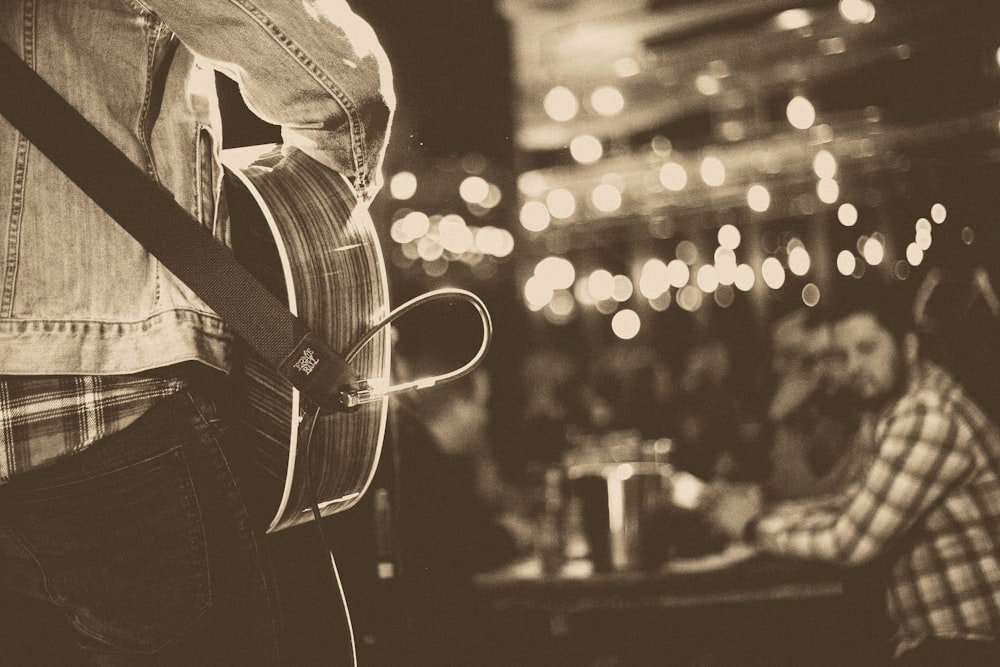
(153, 217)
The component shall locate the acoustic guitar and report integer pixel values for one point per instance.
(299, 230)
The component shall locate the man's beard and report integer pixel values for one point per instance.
(879, 401)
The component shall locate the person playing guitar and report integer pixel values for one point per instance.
(123, 523)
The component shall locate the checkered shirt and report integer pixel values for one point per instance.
(43, 418)
(931, 498)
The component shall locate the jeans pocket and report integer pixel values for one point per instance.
(124, 552)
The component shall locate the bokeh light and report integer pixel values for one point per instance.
(535, 216)
(607, 101)
(558, 272)
(758, 198)
(846, 262)
(800, 113)
(772, 272)
(586, 149)
(626, 324)
(403, 185)
(729, 236)
(673, 176)
(847, 214)
(561, 203)
(712, 171)
(606, 198)
(561, 104)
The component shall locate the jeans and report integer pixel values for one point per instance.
(144, 547)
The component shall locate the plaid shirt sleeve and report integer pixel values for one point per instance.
(917, 461)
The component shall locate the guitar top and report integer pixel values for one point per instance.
(298, 229)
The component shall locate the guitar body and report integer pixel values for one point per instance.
(297, 228)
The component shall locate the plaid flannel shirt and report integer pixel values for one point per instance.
(43, 418)
(931, 497)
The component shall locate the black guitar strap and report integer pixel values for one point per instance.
(149, 213)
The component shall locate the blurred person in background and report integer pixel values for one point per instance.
(629, 388)
(457, 516)
(814, 428)
(550, 379)
(957, 312)
(927, 510)
(716, 436)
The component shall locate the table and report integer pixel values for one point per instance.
(735, 608)
(717, 579)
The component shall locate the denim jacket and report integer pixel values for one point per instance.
(77, 294)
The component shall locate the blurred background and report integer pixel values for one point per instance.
(643, 190)
(634, 178)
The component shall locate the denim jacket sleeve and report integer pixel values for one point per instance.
(314, 67)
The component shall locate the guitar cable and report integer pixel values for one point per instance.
(367, 391)
(326, 541)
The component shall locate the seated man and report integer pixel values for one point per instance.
(927, 508)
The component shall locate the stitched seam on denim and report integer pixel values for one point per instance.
(51, 492)
(251, 536)
(148, 19)
(201, 516)
(53, 595)
(14, 226)
(151, 36)
(20, 174)
(345, 102)
(139, 8)
(200, 316)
